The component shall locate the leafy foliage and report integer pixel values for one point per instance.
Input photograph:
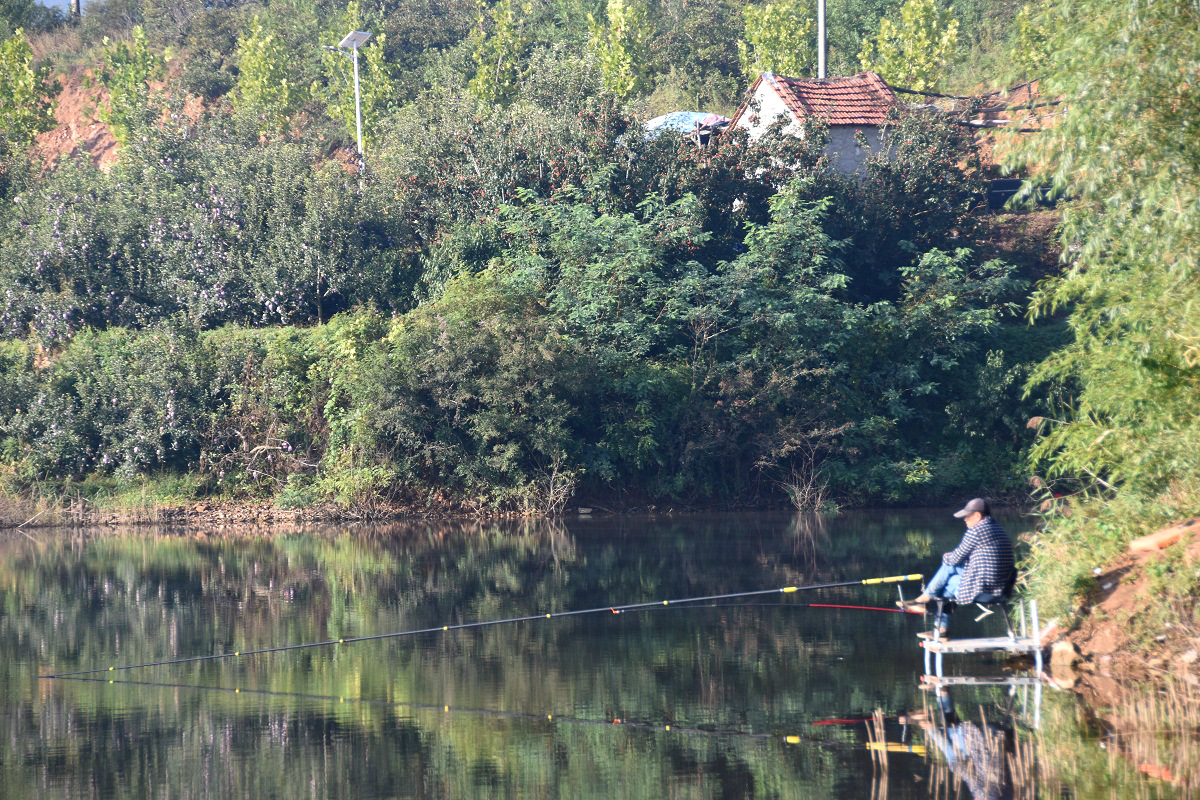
(524, 299)
(127, 68)
(204, 222)
(27, 15)
(914, 52)
(1030, 44)
(1122, 154)
(780, 38)
(25, 105)
(267, 86)
(620, 44)
(499, 42)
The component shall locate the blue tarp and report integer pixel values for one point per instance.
(678, 121)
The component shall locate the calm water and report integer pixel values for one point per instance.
(762, 700)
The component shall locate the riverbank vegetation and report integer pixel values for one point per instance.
(1118, 453)
(523, 302)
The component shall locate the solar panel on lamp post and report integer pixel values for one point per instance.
(354, 40)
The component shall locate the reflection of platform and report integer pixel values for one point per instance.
(936, 682)
(1012, 643)
(1017, 686)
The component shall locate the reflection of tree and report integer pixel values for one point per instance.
(94, 600)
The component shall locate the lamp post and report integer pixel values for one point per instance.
(354, 40)
(821, 40)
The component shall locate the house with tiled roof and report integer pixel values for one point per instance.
(852, 105)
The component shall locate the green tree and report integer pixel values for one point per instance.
(1123, 154)
(267, 87)
(1126, 148)
(25, 105)
(621, 45)
(780, 38)
(30, 15)
(915, 52)
(1029, 43)
(126, 70)
(498, 55)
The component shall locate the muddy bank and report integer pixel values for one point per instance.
(1138, 626)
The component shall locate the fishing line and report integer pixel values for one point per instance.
(495, 713)
(483, 624)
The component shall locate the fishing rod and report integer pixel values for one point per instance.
(483, 624)
(791, 739)
(796, 605)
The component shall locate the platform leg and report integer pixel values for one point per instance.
(1037, 635)
(927, 670)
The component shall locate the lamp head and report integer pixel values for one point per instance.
(354, 39)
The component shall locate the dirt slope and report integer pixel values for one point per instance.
(78, 130)
(1126, 634)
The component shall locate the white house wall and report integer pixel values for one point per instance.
(769, 108)
(844, 153)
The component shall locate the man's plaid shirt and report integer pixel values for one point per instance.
(986, 555)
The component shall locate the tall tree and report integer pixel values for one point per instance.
(25, 105)
(621, 43)
(915, 52)
(127, 68)
(266, 86)
(1123, 150)
(498, 54)
(780, 38)
(1029, 44)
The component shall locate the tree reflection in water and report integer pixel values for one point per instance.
(739, 686)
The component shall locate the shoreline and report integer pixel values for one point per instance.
(21, 513)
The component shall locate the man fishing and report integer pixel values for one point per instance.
(980, 570)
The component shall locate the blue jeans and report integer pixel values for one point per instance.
(944, 585)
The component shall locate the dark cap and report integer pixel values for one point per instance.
(976, 506)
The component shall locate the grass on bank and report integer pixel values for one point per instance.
(60, 501)
(1079, 537)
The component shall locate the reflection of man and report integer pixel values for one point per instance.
(979, 570)
(975, 753)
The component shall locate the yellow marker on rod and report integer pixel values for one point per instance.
(893, 579)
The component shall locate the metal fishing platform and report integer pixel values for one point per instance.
(1028, 642)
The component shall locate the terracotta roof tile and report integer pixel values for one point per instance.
(862, 99)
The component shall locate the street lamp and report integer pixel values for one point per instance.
(354, 40)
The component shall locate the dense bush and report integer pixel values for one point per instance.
(515, 303)
(200, 222)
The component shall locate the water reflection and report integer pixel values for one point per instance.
(725, 700)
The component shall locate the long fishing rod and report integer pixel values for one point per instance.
(485, 623)
(842, 606)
